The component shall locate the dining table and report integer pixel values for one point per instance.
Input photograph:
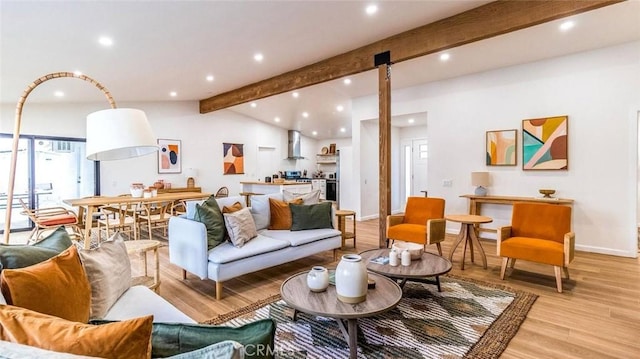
(87, 206)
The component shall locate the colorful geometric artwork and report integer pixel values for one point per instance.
(233, 158)
(501, 148)
(169, 156)
(545, 143)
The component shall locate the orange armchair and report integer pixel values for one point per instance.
(539, 232)
(423, 222)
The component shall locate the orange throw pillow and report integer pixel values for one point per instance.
(57, 286)
(126, 339)
(280, 213)
(232, 208)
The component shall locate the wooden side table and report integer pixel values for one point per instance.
(468, 235)
(342, 215)
(142, 247)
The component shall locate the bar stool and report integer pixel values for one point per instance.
(342, 215)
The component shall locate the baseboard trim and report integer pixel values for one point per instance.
(609, 251)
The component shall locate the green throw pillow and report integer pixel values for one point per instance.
(168, 339)
(313, 216)
(209, 213)
(14, 256)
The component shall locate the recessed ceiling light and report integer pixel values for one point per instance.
(342, 129)
(371, 9)
(567, 25)
(315, 133)
(295, 94)
(347, 81)
(445, 56)
(254, 105)
(77, 73)
(105, 41)
(58, 94)
(411, 120)
(209, 78)
(339, 108)
(173, 94)
(277, 119)
(258, 57)
(305, 114)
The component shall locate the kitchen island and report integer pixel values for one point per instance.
(266, 187)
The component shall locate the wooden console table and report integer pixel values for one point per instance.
(475, 203)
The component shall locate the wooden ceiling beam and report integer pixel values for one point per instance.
(477, 24)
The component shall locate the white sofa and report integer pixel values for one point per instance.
(188, 244)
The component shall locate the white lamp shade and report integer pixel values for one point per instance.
(480, 179)
(119, 133)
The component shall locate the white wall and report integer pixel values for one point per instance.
(599, 91)
(201, 135)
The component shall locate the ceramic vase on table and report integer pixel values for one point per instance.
(351, 279)
(318, 279)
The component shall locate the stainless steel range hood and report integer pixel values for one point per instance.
(293, 145)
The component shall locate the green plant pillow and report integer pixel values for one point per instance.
(209, 213)
(13, 256)
(169, 339)
(313, 216)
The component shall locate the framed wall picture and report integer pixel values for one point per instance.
(233, 158)
(169, 156)
(501, 148)
(545, 143)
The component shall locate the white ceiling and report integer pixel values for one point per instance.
(163, 46)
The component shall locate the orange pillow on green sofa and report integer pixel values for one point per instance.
(57, 286)
(126, 339)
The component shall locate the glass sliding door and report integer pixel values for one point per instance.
(49, 171)
(21, 187)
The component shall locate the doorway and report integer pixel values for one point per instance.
(48, 170)
(414, 168)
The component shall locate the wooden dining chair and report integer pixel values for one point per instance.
(119, 217)
(222, 192)
(50, 218)
(154, 215)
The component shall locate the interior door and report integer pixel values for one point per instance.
(413, 168)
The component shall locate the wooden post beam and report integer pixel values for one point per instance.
(384, 115)
(477, 24)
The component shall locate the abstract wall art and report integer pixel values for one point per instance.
(501, 148)
(233, 158)
(545, 143)
(169, 156)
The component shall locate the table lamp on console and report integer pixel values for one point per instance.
(112, 134)
(481, 180)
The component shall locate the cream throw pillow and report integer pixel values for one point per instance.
(109, 272)
(312, 197)
(240, 226)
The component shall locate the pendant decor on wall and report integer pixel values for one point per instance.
(169, 156)
(545, 143)
(233, 158)
(501, 148)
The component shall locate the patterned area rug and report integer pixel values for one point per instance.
(468, 319)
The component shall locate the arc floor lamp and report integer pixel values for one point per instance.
(112, 134)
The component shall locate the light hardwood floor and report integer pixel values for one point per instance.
(597, 316)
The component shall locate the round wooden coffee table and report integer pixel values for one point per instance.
(384, 297)
(420, 270)
(468, 235)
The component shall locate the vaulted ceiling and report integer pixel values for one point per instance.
(161, 47)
